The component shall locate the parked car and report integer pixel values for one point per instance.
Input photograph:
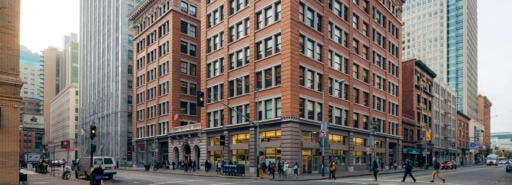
(107, 163)
(448, 165)
(509, 168)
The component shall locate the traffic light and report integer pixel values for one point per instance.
(373, 126)
(93, 131)
(200, 98)
(64, 144)
(222, 140)
(428, 136)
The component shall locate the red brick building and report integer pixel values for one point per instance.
(291, 65)
(417, 102)
(463, 137)
(166, 67)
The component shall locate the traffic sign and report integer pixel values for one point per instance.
(472, 146)
(323, 133)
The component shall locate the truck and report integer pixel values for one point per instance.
(492, 159)
(32, 158)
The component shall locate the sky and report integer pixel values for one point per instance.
(45, 22)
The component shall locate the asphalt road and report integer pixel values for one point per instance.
(461, 176)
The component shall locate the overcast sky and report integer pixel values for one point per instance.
(45, 22)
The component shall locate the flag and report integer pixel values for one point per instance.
(176, 115)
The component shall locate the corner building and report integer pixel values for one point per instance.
(166, 78)
(291, 65)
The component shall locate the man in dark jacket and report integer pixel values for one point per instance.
(435, 173)
(408, 171)
(97, 174)
(375, 169)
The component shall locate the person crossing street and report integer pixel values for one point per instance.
(408, 171)
(435, 173)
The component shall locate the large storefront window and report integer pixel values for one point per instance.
(309, 136)
(240, 139)
(359, 141)
(307, 160)
(272, 154)
(216, 155)
(214, 141)
(338, 156)
(269, 136)
(240, 156)
(359, 158)
(378, 144)
(336, 139)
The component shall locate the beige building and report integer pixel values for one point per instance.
(51, 58)
(476, 131)
(10, 86)
(484, 117)
(64, 117)
(444, 130)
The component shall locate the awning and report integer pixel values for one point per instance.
(409, 150)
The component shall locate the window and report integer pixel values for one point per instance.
(268, 15)
(310, 48)
(215, 67)
(365, 28)
(151, 56)
(379, 103)
(379, 82)
(366, 99)
(141, 62)
(163, 29)
(239, 58)
(379, 39)
(237, 5)
(215, 118)
(215, 42)
(188, 88)
(393, 89)
(151, 93)
(378, 17)
(216, 16)
(268, 46)
(355, 119)
(239, 30)
(188, 108)
(310, 79)
(189, 29)
(188, 48)
(193, 11)
(393, 69)
(335, 87)
(141, 132)
(184, 7)
(239, 86)
(310, 109)
(379, 61)
(215, 93)
(163, 88)
(356, 95)
(336, 115)
(163, 68)
(151, 38)
(339, 9)
(267, 78)
(163, 108)
(393, 49)
(164, 127)
(163, 49)
(337, 34)
(355, 21)
(238, 114)
(310, 17)
(365, 52)
(188, 68)
(268, 109)
(355, 45)
(365, 75)
(151, 75)
(355, 71)
(337, 61)
(151, 110)
(141, 45)
(140, 97)
(393, 109)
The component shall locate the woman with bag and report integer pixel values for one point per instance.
(332, 170)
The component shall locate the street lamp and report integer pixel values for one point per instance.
(324, 126)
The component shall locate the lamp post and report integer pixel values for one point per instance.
(324, 126)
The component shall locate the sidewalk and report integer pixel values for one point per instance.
(37, 178)
(303, 177)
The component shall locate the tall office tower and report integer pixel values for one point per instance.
(484, 117)
(444, 130)
(64, 106)
(51, 58)
(105, 80)
(443, 34)
(10, 86)
(31, 110)
(300, 70)
(167, 80)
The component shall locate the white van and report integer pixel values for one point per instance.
(492, 159)
(107, 163)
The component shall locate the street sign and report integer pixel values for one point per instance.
(472, 146)
(323, 133)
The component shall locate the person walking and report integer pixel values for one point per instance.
(375, 169)
(408, 171)
(332, 170)
(263, 167)
(97, 174)
(272, 168)
(296, 169)
(435, 173)
(219, 167)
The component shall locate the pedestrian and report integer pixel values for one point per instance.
(207, 166)
(173, 165)
(219, 167)
(296, 169)
(332, 170)
(408, 171)
(375, 169)
(435, 173)
(395, 165)
(193, 164)
(272, 169)
(263, 168)
(286, 168)
(97, 174)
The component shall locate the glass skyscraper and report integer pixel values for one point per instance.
(105, 77)
(443, 34)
